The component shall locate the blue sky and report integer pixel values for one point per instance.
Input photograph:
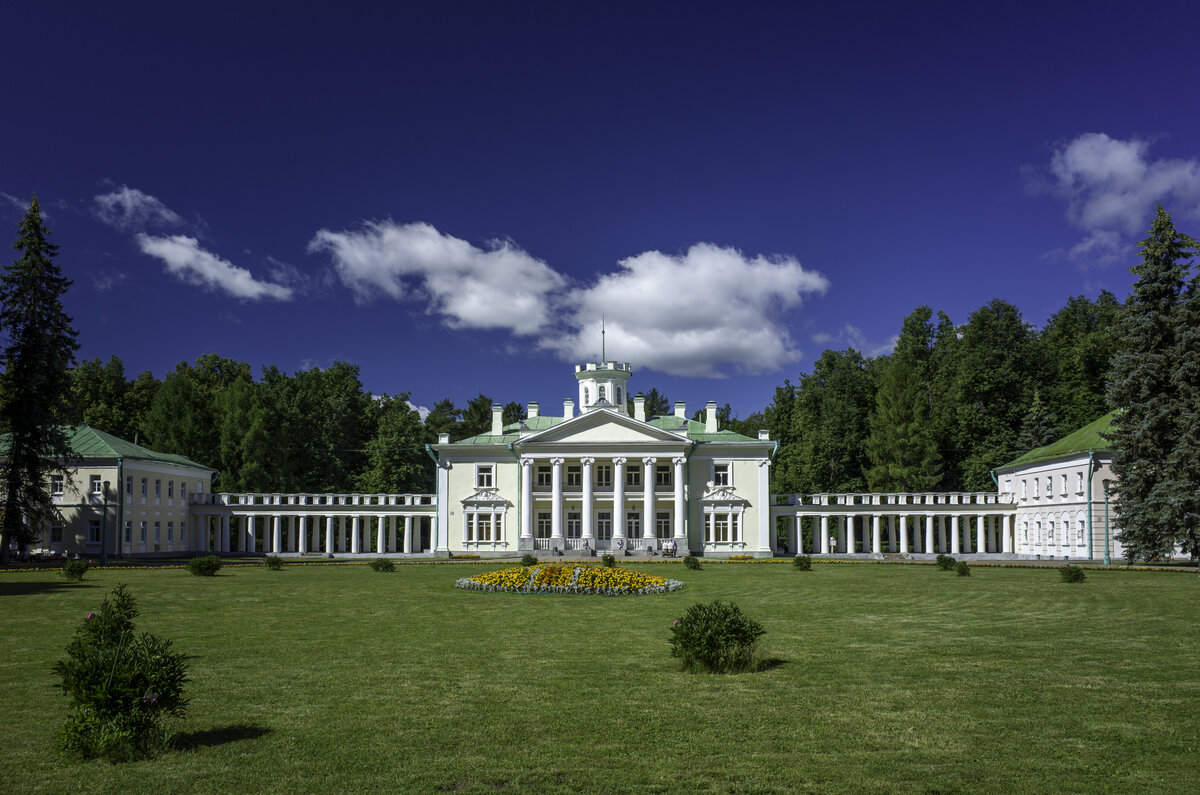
(451, 195)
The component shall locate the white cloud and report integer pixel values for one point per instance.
(500, 286)
(695, 314)
(186, 260)
(128, 209)
(853, 337)
(422, 411)
(1111, 187)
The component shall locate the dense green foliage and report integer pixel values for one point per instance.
(607, 559)
(529, 559)
(802, 563)
(382, 564)
(204, 565)
(715, 637)
(1154, 380)
(1071, 573)
(945, 563)
(74, 569)
(37, 351)
(691, 562)
(273, 562)
(123, 686)
(962, 569)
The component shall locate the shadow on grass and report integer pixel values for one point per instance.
(769, 664)
(220, 736)
(29, 588)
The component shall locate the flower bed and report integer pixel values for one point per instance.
(555, 578)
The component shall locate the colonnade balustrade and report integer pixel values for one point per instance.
(878, 523)
(311, 524)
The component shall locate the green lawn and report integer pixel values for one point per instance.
(885, 679)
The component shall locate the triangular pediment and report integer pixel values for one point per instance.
(485, 496)
(723, 494)
(603, 426)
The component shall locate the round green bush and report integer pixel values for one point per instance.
(692, 562)
(608, 560)
(529, 560)
(802, 563)
(1071, 573)
(205, 565)
(945, 563)
(716, 637)
(273, 562)
(962, 569)
(74, 569)
(383, 564)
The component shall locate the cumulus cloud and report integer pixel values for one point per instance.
(853, 337)
(185, 259)
(1111, 186)
(694, 314)
(497, 287)
(129, 209)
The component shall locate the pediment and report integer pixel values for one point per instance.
(485, 497)
(723, 494)
(603, 426)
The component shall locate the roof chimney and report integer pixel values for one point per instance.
(710, 417)
(764, 436)
(568, 409)
(443, 438)
(681, 409)
(497, 420)
(639, 407)
(533, 409)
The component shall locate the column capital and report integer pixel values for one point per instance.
(587, 461)
(764, 462)
(649, 460)
(443, 464)
(619, 460)
(679, 460)
(527, 462)
(558, 461)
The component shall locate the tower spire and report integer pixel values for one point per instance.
(603, 356)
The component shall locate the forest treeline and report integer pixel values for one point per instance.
(949, 404)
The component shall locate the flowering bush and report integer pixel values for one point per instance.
(568, 578)
(74, 569)
(716, 637)
(741, 557)
(124, 686)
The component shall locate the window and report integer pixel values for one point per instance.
(482, 526)
(600, 391)
(543, 525)
(1049, 486)
(1050, 532)
(129, 532)
(56, 533)
(662, 525)
(545, 475)
(93, 531)
(1035, 488)
(170, 531)
(618, 395)
(1079, 482)
(633, 525)
(142, 527)
(662, 475)
(170, 489)
(56, 485)
(129, 485)
(143, 487)
(157, 488)
(574, 475)
(94, 485)
(604, 526)
(574, 525)
(719, 528)
(603, 476)
(633, 476)
(157, 532)
(586, 396)
(183, 491)
(1064, 485)
(720, 474)
(483, 476)
(1024, 489)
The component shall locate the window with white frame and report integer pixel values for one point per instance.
(1050, 532)
(663, 475)
(574, 524)
(662, 524)
(604, 526)
(1049, 486)
(633, 475)
(93, 531)
(129, 532)
(603, 476)
(543, 528)
(1064, 485)
(633, 525)
(600, 391)
(143, 487)
(95, 486)
(142, 528)
(586, 397)
(718, 528)
(618, 390)
(484, 476)
(1024, 489)
(721, 472)
(545, 476)
(1036, 494)
(1025, 529)
(183, 491)
(129, 485)
(1079, 527)
(574, 475)
(481, 526)
(56, 485)
(1079, 483)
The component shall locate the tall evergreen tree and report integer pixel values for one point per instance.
(901, 446)
(830, 423)
(1038, 429)
(1144, 386)
(1184, 461)
(1078, 343)
(35, 386)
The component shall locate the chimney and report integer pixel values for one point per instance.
(639, 407)
(568, 409)
(681, 409)
(710, 417)
(497, 420)
(533, 409)
(764, 436)
(443, 438)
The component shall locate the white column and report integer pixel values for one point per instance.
(556, 533)
(526, 505)
(408, 528)
(904, 535)
(329, 542)
(648, 501)
(980, 534)
(680, 515)
(1006, 534)
(303, 534)
(589, 501)
(618, 500)
(381, 540)
(824, 534)
(954, 535)
(248, 533)
(356, 535)
(876, 545)
(928, 534)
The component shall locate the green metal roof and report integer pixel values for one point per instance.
(692, 429)
(1087, 439)
(87, 443)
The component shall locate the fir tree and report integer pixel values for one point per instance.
(1184, 461)
(902, 449)
(35, 386)
(1039, 428)
(1144, 384)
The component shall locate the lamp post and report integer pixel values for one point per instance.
(104, 529)
(1107, 559)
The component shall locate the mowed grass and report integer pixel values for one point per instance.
(882, 679)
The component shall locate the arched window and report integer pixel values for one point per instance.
(618, 396)
(586, 400)
(601, 392)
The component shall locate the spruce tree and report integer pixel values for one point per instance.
(35, 385)
(1144, 385)
(902, 448)
(1184, 461)
(1039, 428)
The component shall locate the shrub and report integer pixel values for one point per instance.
(945, 562)
(124, 686)
(383, 564)
(273, 562)
(692, 562)
(716, 637)
(74, 569)
(608, 560)
(962, 569)
(205, 565)
(1071, 574)
(529, 560)
(802, 563)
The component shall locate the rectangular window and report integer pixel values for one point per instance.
(1049, 486)
(545, 476)
(56, 533)
(93, 531)
(720, 527)
(1035, 488)
(720, 474)
(129, 485)
(574, 525)
(483, 476)
(142, 528)
(157, 488)
(604, 476)
(157, 532)
(633, 476)
(143, 487)
(483, 527)
(662, 475)
(183, 491)
(604, 526)
(662, 525)
(170, 531)
(1024, 489)
(1064, 485)
(633, 525)
(94, 485)
(1079, 482)
(543, 525)
(129, 532)
(56, 485)
(170, 489)
(574, 476)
